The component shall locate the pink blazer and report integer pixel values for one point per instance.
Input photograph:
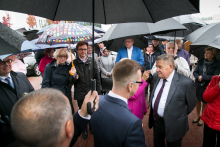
(137, 103)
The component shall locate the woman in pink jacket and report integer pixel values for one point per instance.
(137, 103)
(46, 59)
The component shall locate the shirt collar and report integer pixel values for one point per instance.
(130, 49)
(82, 59)
(3, 77)
(117, 96)
(169, 79)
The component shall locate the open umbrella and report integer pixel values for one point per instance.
(106, 11)
(12, 42)
(31, 35)
(61, 33)
(132, 29)
(203, 37)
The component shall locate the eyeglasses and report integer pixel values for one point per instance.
(82, 49)
(135, 82)
(9, 61)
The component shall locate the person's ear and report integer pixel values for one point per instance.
(130, 86)
(69, 129)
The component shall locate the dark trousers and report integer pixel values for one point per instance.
(159, 135)
(209, 137)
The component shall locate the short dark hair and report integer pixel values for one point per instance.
(124, 70)
(81, 43)
(47, 51)
(166, 57)
(37, 118)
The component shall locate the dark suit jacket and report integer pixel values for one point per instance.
(180, 102)
(80, 124)
(113, 124)
(9, 97)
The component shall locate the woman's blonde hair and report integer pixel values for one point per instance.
(214, 50)
(61, 52)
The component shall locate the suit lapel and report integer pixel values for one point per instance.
(173, 86)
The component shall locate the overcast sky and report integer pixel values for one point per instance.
(209, 7)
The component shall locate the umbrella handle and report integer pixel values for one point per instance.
(91, 109)
(71, 59)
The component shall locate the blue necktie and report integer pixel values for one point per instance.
(9, 82)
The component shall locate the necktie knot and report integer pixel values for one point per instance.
(9, 81)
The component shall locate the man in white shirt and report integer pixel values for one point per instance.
(181, 64)
(113, 124)
(131, 52)
(173, 99)
(12, 87)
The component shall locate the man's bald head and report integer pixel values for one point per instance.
(39, 118)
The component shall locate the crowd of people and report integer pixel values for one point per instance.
(161, 74)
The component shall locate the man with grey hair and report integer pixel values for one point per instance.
(181, 64)
(44, 118)
(114, 124)
(172, 100)
(181, 52)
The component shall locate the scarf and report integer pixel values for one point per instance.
(206, 66)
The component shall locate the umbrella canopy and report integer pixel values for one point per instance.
(131, 29)
(31, 35)
(10, 40)
(59, 34)
(97, 29)
(44, 29)
(185, 19)
(203, 37)
(163, 38)
(106, 11)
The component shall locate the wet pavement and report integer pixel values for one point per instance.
(193, 137)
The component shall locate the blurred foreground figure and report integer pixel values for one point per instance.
(44, 118)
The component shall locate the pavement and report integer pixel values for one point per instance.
(193, 137)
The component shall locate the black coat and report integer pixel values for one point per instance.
(150, 60)
(159, 50)
(212, 70)
(58, 77)
(82, 85)
(9, 97)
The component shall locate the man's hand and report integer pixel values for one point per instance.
(99, 58)
(108, 75)
(72, 71)
(200, 78)
(149, 71)
(89, 98)
(175, 64)
(145, 75)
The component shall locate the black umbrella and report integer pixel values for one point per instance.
(31, 35)
(106, 11)
(10, 40)
(205, 36)
(132, 29)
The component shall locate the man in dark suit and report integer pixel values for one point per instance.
(113, 124)
(44, 118)
(172, 100)
(12, 87)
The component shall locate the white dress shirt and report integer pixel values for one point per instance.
(163, 99)
(2, 78)
(129, 51)
(117, 96)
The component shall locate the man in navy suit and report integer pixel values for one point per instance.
(113, 124)
(131, 52)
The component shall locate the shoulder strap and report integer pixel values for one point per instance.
(176, 57)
